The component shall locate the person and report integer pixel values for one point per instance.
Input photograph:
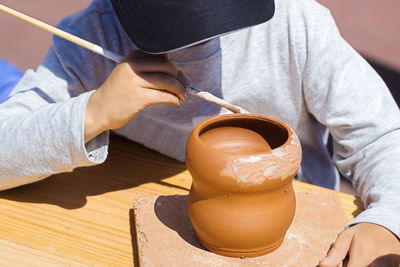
(9, 77)
(283, 59)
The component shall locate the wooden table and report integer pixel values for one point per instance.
(86, 217)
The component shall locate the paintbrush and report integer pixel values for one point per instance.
(112, 56)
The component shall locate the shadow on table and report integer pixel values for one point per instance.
(172, 212)
(360, 206)
(128, 165)
(134, 242)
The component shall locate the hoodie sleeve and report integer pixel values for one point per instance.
(42, 122)
(343, 92)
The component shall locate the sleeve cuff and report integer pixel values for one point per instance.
(381, 216)
(96, 150)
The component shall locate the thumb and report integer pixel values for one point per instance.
(338, 250)
(162, 97)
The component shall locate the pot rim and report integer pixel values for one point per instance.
(226, 117)
(232, 163)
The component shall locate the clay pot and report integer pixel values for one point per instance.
(241, 201)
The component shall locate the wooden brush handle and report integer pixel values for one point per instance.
(212, 99)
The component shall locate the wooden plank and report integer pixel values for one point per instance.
(12, 254)
(98, 231)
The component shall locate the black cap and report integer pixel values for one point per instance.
(160, 26)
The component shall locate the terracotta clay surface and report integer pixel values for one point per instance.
(165, 236)
(235, 140)
(241, 201)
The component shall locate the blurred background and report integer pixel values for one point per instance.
(372, 28)
(23, 44)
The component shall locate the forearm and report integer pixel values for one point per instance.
(46, 141)
(346, 95)
(377, 180)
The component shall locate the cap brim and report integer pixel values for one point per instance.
(159, 26)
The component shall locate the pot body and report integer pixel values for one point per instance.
(241, 205)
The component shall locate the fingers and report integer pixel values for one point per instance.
(162, 97)
(163, 82)
(157, 72)
(338, 251)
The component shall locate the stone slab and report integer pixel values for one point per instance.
(165, 236)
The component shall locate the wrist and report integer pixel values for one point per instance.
(94, 124)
